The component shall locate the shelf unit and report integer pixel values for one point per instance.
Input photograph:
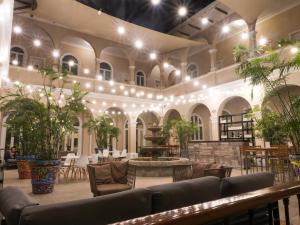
(236, 128)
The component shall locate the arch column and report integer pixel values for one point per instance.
(6, 18)
(183, 66)
(213, 59)
(214, 128)
(252, 38)
(132, 134)
(132, 74)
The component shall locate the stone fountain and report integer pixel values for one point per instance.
(156, 149)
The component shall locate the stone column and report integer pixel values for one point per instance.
(213, 59)
(132, 135)
(252, 38)
(6, 18)
(183, 70)
(162, 77)
(132, 74)
(214, 128)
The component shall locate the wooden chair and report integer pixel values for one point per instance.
(108, 185)
(182, 172)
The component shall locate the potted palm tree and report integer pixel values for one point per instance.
(183, 131)
(52, 115)
(104, 130)
(272, 72)
(21, 126)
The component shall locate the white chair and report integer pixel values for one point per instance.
(105, 154)
(124, 153)
(95, 158)
(67, 166)
(116, 155)
(80, 166)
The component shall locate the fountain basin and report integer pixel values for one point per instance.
(157, 167)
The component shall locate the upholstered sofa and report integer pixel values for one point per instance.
(19, 209)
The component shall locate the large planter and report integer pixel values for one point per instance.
(23, 164)
(295, 161)
(43, 176)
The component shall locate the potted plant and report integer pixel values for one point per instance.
(52, 114)
(183, 131)
(19, 123)
(271, 71)
(240, 52)
(104, 130)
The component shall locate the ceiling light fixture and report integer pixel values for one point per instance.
(71, 63)
(294, 50)
(15, 62)
(166, 65)
(153, 56)
(204, 21)
(18, 29)
(55, 53)
(182, 11)
(245, 35)
(155, 2)
(138, 44)
(121, 30)
(263, 41)
(37, 42)
(177, 72)
(30, 67)
(225, 29)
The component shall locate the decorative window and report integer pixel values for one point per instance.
(17, 56)
(106, 71)
(37, 62)
(198, 134)
(70, 64)
(140, 79)
(192, 71)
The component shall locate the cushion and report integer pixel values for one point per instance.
(104, 189)
(94, 211)
(237, 185)
(119, 171)
(184, 193)
(103, 174)
(12, 202)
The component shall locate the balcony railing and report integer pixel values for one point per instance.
(224, 209)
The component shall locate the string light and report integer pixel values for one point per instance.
(294, 50)
(244, 35)
(263, 41)
(225, 29)
(153, 56)
(30, 67)
(86, 71)
(155, 2)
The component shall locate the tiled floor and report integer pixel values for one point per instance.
(80, 190)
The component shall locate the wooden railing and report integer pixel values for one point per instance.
(225, 208)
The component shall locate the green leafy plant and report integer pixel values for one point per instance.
(271, 72)
(183, 131)
(104, 130)
(240, 52)
(42, 118)
(269, 126)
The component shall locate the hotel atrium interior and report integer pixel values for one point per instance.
(150, 112)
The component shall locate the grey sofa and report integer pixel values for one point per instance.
(21, 210)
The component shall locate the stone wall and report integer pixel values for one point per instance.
(224, 153)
